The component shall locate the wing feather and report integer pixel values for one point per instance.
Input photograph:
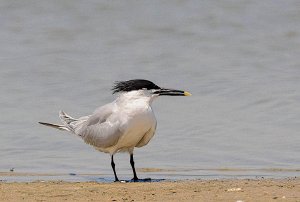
(101, 130)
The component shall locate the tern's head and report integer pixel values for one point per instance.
(141, 84)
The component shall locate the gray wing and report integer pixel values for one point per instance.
(102, 128)
(101, 114)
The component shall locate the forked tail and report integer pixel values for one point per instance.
(59, 127)
(68, 122)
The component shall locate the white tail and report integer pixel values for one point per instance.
(68, 123)
(59, 127)
(65, 119)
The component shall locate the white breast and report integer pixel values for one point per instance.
(138, 124)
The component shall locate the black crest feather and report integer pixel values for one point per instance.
(135, 84)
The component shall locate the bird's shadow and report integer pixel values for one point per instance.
(92, 178)
(108, 180)
(143, 180)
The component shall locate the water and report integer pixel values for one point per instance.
(239, 59)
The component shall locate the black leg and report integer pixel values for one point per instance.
(135, 178)
(113, 167)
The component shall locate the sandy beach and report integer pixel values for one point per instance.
(195, 190)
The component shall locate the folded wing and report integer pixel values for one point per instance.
(101, 130)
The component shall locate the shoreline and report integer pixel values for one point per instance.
(155, 173)
(287, 189)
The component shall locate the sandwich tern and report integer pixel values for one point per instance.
(123, 124)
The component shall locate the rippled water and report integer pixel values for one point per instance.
(239, 59)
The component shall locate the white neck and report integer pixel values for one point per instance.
(142, 95)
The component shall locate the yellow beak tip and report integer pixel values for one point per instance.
(187, 93)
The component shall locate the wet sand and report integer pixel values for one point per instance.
(195, 190)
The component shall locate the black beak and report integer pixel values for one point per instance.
(172, 92)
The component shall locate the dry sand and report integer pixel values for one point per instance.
(197, 190)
